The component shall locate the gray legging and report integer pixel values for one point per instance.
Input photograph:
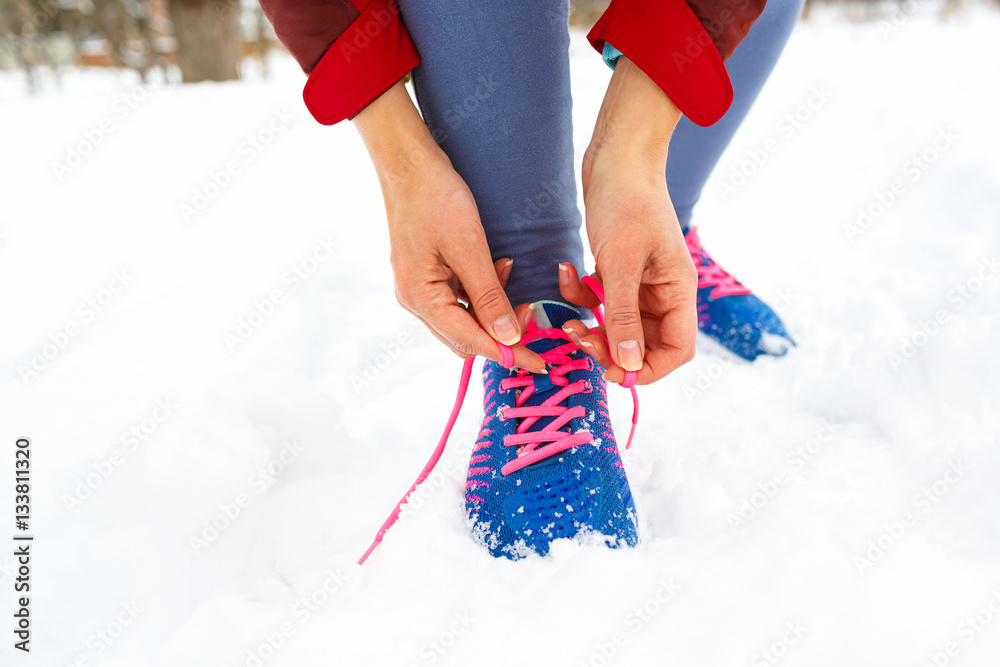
(494, 89)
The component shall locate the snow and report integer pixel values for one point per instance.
(880, 428)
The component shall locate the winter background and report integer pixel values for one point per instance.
(224, 402)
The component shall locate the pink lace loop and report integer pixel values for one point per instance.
(506, 355)
(710, 274)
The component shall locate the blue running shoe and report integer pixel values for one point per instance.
(546, 464)
(730, 313)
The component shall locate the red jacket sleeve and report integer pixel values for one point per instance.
(352, 50)
(681, 45)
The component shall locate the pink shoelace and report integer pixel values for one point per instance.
(711, 274)
(532, 446)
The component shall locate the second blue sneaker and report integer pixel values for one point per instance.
(730, 313)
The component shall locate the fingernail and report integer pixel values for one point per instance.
(630, 355)
(563, 274)
(541, 371)
(505, 329)
(529, 314)
(585, 343)
(604, 376)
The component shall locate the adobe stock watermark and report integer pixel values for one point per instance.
(432, 650)
(695, 46)
(102, 639)
(87, 311)
(541, 204)
(229, 512)
(269, 643)
(707, 377)
(604, 652)
(368, 27)
(773, 654)
(901, 13)
(248, 150)
(389, 351)
(44, 11)
(455, 115)
(921, 505)
(752, 504)
(911, 172)
(426, 150)
(129, 442)
(294, 277)
(94, 136)
(786, 128)
(956, 299)
(417, 500)
(967, 631)
(783, 301)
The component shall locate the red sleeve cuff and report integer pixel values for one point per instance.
(372, 54)
(665, 39)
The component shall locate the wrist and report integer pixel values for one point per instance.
(397, 139)
(636, 120)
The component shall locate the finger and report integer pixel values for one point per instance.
(486, 294)
(622, 277)
(503, 266)
(573, 290)
(524, 313)
(447, 343)
(678, 330)
(461, 333)
(590, 342)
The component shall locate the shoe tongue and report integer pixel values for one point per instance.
(553, 314)
(548, 315)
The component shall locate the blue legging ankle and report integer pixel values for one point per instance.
(494, 89)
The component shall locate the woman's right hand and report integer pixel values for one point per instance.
(439, 254)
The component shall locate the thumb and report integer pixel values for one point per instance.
(487, 297)
(621, 312)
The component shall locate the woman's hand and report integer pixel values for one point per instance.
(642, 260)
(439, 251)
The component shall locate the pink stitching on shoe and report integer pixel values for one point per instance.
(711, 274)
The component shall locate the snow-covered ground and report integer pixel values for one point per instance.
(224, 402)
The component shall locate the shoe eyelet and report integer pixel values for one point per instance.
(590, 363)
(587, 387)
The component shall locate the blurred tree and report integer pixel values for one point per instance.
(209, 45)
(21, 23)
(124, 24)
(584, 13)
